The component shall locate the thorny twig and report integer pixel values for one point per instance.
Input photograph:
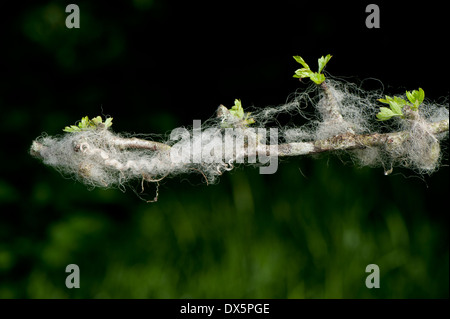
(330, 113)
(346, 141)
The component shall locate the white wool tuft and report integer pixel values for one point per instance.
(95, 158)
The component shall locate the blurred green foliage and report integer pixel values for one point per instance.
(251, 236)
(308, 231)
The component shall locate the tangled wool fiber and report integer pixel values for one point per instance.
(101, 158)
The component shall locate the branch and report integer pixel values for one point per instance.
(340, 142)
(137, 143)
(350, 141)
(100, 158)
(92, 153)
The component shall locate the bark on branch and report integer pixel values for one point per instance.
(347, 141)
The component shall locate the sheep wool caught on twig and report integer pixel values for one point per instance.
(344, 121)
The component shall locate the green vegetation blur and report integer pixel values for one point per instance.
(308, 231)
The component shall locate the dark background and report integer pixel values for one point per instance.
(307, 231)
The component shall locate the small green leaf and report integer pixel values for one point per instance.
(410, 97)
(72, 128)
(385, 114)
(303, 73)
(317, 78)
(84, 123)
(300, 60)
(397, 105)
(323, 61)
(247, 120)
(386, 101)
(396, 109)
(416, 98)
(237, 109)
(420, 96)
(108, 122)
(97, 120)
(306, 72)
